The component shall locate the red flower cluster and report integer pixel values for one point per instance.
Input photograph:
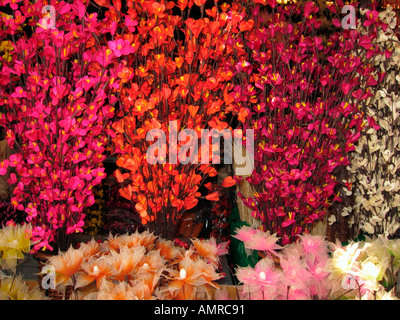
(58, 95)
(300, 93)
(178, 78)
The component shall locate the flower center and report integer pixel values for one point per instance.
(145, 267)
(96, 270)
(182, 274)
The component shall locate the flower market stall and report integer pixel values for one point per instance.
(199, 150)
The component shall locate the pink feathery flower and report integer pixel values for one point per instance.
(263, 241)
(314, 245)
(260, 282)
(244, 233)
(265, 273)
(296, 272)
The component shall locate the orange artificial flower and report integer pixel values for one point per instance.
(120, 177)
(66, 264)
(94, 270)
(184, 280)
(112, 291)
(126, 261)
(103, 3)
(168, 250)
(213, 196)
(179, 62)
(246, 25)
(190, 202)
(217, 124)
(89, 249)
(193, 110)
(243, 113)
(228, 182)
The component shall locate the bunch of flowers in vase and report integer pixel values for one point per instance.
(176, 85)
(300, 93)
(374, 164)
(58, 91)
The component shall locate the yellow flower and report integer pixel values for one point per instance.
(15, 288)
(6, 47)
(14, 242)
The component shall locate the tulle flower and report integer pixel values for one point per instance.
(126, 261)
(113, 291)
(94, 270)
(244, 233)
(185, 280)
(15, 288)
(261, 281)
(209, 249)
(66, 264)
(256, 239)
(314, 245)
(15, 241)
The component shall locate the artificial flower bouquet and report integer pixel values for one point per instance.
(313, 268)
(58, 87)
(176, 80)
(15, 242)
(301, 92)
(139, 266)
(373, 181)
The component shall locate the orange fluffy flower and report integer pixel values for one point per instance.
(94, 270)
(126, 261)
(185, 280)
(168, 250)
(66, 264)
(209, 249)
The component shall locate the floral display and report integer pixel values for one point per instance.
(374, 162)
(58, 88)
(129, 123)
(300, 94)
(140, 266)
(313, 268)
(177, 79)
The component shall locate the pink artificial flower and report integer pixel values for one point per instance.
(296, 273)
(314, 245)
(245, 233)
(3, 167)
(76, 227)
(120, 47)
(262, 281)
(263, 241)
